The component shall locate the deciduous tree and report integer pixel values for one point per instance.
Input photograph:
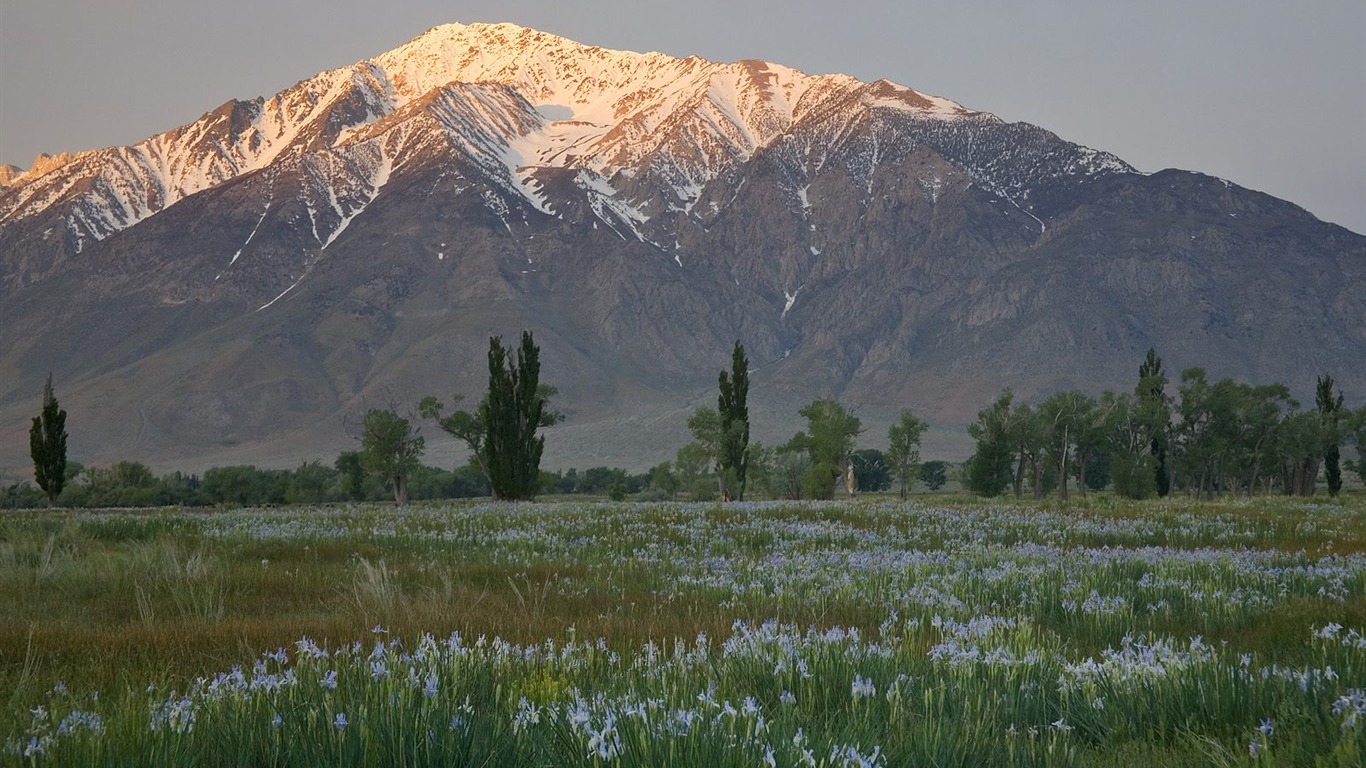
(934, 474)
(987, 471)
(390, 449)
(829, 442)
(872, 471)
(903, 449)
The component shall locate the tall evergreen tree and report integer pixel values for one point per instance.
(733, 408)
(47, 444)
(1330, 416)
(512, 411)
(1155, 412)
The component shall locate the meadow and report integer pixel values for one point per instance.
(945, 631)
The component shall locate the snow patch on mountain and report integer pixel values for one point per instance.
(608, 207)
(247, 242)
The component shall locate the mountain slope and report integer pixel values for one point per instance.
(241, 288)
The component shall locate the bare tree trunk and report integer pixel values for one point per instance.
(1082, 457)
(1062, 478)
(1019, 476)
(849, 479)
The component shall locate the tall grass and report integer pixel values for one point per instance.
(785, 634)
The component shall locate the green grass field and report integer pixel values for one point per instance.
(947, 631)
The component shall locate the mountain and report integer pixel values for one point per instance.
(241, 288)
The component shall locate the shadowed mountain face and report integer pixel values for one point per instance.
(242, 288)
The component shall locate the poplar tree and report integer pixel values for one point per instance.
(1330, 417)
(47, 445)
(501, 430)
(1155, 413)
(511, 412)
(733, 408)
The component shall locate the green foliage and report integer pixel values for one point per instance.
(871, 470)
(1330, 411)
(702, 489)
(244, 485)
(664, 481)
(987, 472)
(903, 449)
(705, 425)
(732, 455)
(1356, 436)
(1094, 473)
(21, 495)
(787, 469)
(759, 475)
(126, 484)
(468, 481)
(1133, 476)
(1232, 436)
(1153, 416)
(1070, 428)
(1215, 437)
(500, 432)
(934, 474)
(692, 463)
(619, 487)
(390, 450)
(466, 426)
(1128, 443)
(511, 413)
(596, 480)
(352, 472)
(829, 444)
(47, 445)
(311, 483)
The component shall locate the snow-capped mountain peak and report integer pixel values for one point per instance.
(652, 128)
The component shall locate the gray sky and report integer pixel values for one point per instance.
(1269, 95)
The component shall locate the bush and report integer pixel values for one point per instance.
(1134, 477)
(934, 474)
(702, 489)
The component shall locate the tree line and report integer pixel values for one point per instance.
(816, 463)
(1208, 437)
(501, 433)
